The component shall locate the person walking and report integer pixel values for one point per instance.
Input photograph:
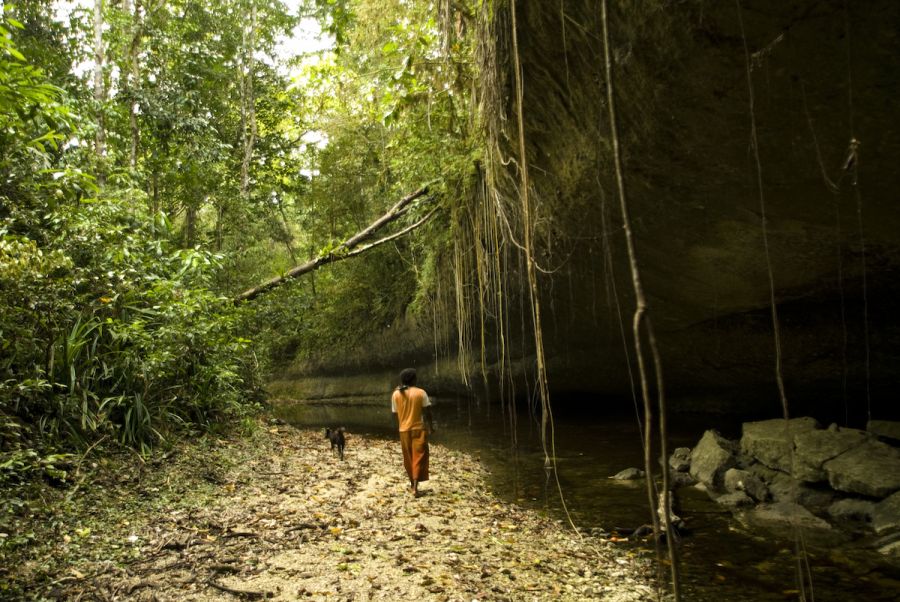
(413, 410)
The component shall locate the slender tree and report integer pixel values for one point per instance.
(99, 89)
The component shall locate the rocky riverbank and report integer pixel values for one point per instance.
(274, 515)
(836, 483)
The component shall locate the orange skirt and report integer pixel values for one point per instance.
(414, 444)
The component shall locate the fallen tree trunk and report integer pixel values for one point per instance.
(350, 247)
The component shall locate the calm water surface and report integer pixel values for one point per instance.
(721, 559)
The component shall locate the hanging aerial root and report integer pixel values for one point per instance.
(804, 577)
(639, 318)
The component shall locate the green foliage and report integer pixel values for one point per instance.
(21, 464)
(129, 214)
(391, 108)
(119, 333)
(106, 326)
(336, 17)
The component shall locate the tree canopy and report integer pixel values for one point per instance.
(161, 157)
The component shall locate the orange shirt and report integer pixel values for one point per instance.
(408, 404)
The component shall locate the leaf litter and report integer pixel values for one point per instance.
(277, 516)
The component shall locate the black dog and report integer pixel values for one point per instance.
(336, 436)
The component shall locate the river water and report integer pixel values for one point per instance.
(721, 558)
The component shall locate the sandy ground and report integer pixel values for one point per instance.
(279, 517)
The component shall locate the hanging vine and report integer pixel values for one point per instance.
(528, 234)
(640, 316)
(851, 169)
(804, 574)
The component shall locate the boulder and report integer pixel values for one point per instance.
(742, 480)
(784, 514)
(851, 509)
(712, 456)
(735, 499)
(871, 469)
(889, 429)
(891, 549)
(785, 488)
(814, 448)
(768, 441)
(886, 515)
(680, 460)
(629, 474)
(765, 474)
(888, 539)
(681, 479)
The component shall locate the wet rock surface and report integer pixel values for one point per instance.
(742, 480)
(629, 474)
(871, 469)
(888, 429)
(768, 441)
(737, 499)
(852, 509)
(786, 514)
(680, 460)
(785, 488)
(814, 448)
(712, 456)
(816, 478)
(886, 514)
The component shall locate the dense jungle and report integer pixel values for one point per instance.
(642, 256)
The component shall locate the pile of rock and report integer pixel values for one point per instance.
(795, 472)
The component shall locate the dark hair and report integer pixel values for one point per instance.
(408, 377)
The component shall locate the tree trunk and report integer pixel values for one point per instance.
(134, 77)
(288, 237)
(190, 226)
(248, 102)
(154, 192)
(99, 90)
(220, 225)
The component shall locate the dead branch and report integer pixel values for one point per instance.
(393, 236)
(142, 584)
(348, 248)
(251, 595)
(303, 526)
(241, 534)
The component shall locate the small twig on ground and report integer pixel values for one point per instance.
(141, 584)
(241, 534)
(249, 594)
(302, 526)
